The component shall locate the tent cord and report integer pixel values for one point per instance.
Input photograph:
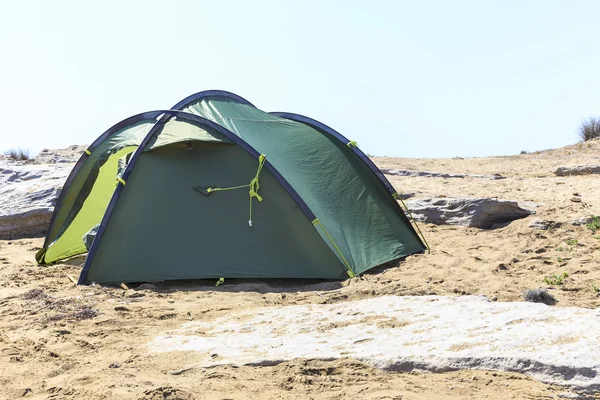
(349, 268)
(397, 196)
(253, 186)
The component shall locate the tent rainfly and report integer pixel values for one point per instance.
(216, 188)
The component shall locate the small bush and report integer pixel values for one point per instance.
(594, 224)
(17, 154)
(539, 296)
(572, 242)
(589, 129)
(556, 279)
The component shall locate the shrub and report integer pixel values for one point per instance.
(589, 129)
(17, 154)
(539, 296)
(594, 224)
(556, 279)
(572, 242)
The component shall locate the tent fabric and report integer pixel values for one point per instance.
(81, 182)
(87, 211)
(215, 129)
(353, 206)
(72, 217)
(325, 212)
(130, 131)
(176, 131)
(163, 229)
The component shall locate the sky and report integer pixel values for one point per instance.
(402, 78)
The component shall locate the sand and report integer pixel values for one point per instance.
(57, 347)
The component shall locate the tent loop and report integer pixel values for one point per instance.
(253, 186)
(352, 143)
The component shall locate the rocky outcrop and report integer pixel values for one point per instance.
(582, 221)
(28, 193)
(578, 170)
(67, 155)
(406, 172)
(405, 333)
(478, 213)
(543, 224)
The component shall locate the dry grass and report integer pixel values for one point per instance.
(85, 313)
(589, 129)
(55, 309)
(17, 154)
(34, 294)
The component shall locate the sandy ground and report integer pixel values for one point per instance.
(61, 341)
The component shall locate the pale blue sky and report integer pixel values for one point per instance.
(412, 79)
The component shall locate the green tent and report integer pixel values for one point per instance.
(218, 188)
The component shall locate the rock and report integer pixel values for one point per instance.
(577, 170)
(543, 224)
(132, 294)
(29, 190)
(582, 221)
(168, 393)
(67, 155)
(147, 286)
(556, 345)
(115, 365)
(28, 193)
(406, 172)
(576, 199)
(405, 196)
(566, 395)
(470, 212)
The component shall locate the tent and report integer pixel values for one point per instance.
(216, 188)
